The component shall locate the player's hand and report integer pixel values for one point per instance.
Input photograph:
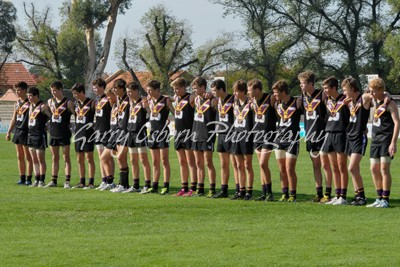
(392, 149)
(8, 137)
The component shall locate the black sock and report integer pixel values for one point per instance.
(285, 191)
(361, 193)
(166, 185)
(193, 186)
(136, 184)
(91, 181)
(328, 192)
(124, 177)
(42, 177)
(67, 178)
(224, 188)
(250, 191)
(269, 188)
(212, 187)
(147, 183)
(54, 179)
(83, 181)
(29, 178)
(110, 179)
(22, 178)
(319, 191)
(237, 188)
(155, 186)
(264, 189)
(104, 179)
(200, 188)
(37, 178)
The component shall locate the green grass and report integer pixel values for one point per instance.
(43, 227)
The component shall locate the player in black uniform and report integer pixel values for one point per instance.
(315, 120)
(19, 122)
(335, 141)
(102, 125)
(385, 131)
(111, 147)
(264, 128)
(84, 134)
(159, 106)
(137, 140)
(184, 115)
(287, 138)
(60, 134)
(123, 107)
(39, 113)
(225, 119)
(359, 105)
(204, 136)
(242, 140)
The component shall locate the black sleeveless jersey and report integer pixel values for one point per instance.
(288, 129)
(264, 115)
(123, 112)
(358, 119)
(102, 114)
(338, 114)
(60, 118)
(158, 114)
(225, 116)
(114, 118)
(84, 116)
(244, 116)
(204, 114)
(22, 116)
(314, 112)
(382, 124)
(37, 119)
(184, 114)
(137, 117)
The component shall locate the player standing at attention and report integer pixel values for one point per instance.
(39, 113)
(203, 139)
(184, 116)
(60, 133)
(315, 122)
(264, 127)
(287, 139)
(102, 125)
(359, 105)
(159, 106)
(19, 122)
(335, 141)
(137, 140)
(84, 143)
(225, 119)
(243, 145)
(385, 131)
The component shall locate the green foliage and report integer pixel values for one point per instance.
(8, 16)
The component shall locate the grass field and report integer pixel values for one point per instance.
(57, 227)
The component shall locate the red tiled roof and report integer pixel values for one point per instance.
(12, 73)
(10, 95)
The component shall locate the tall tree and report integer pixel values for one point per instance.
(8, 16)
(270, 37)
(167, 45)
(93, 15)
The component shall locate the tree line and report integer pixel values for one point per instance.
(279, 39)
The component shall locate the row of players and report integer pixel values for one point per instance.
(247, 121)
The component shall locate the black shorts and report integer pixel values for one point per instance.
(84, 146)
(63, 141)
(111, 142)
(137, 140)
(182, 143)
(20, 137)
(268, 146)
(224, 145)
(243, 147)
(379, 150)
(102, 138)
(334, 142)
(357, 146)
(203, 146)
(37, 141)
(314, 146)
(291, 148)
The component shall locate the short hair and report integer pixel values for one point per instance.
(255, 84)
(331, 81)
(179, 82)
(78, 87)
(133, 86)
(200, 81)
(33, 91)
(120, 83)
(307, 76)
(57, 84)
(377, 84)
(241, 86)
(156, 85)
(281, 86)
(21, 85)
(100, 82)
(352, 83)
(219, 84)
